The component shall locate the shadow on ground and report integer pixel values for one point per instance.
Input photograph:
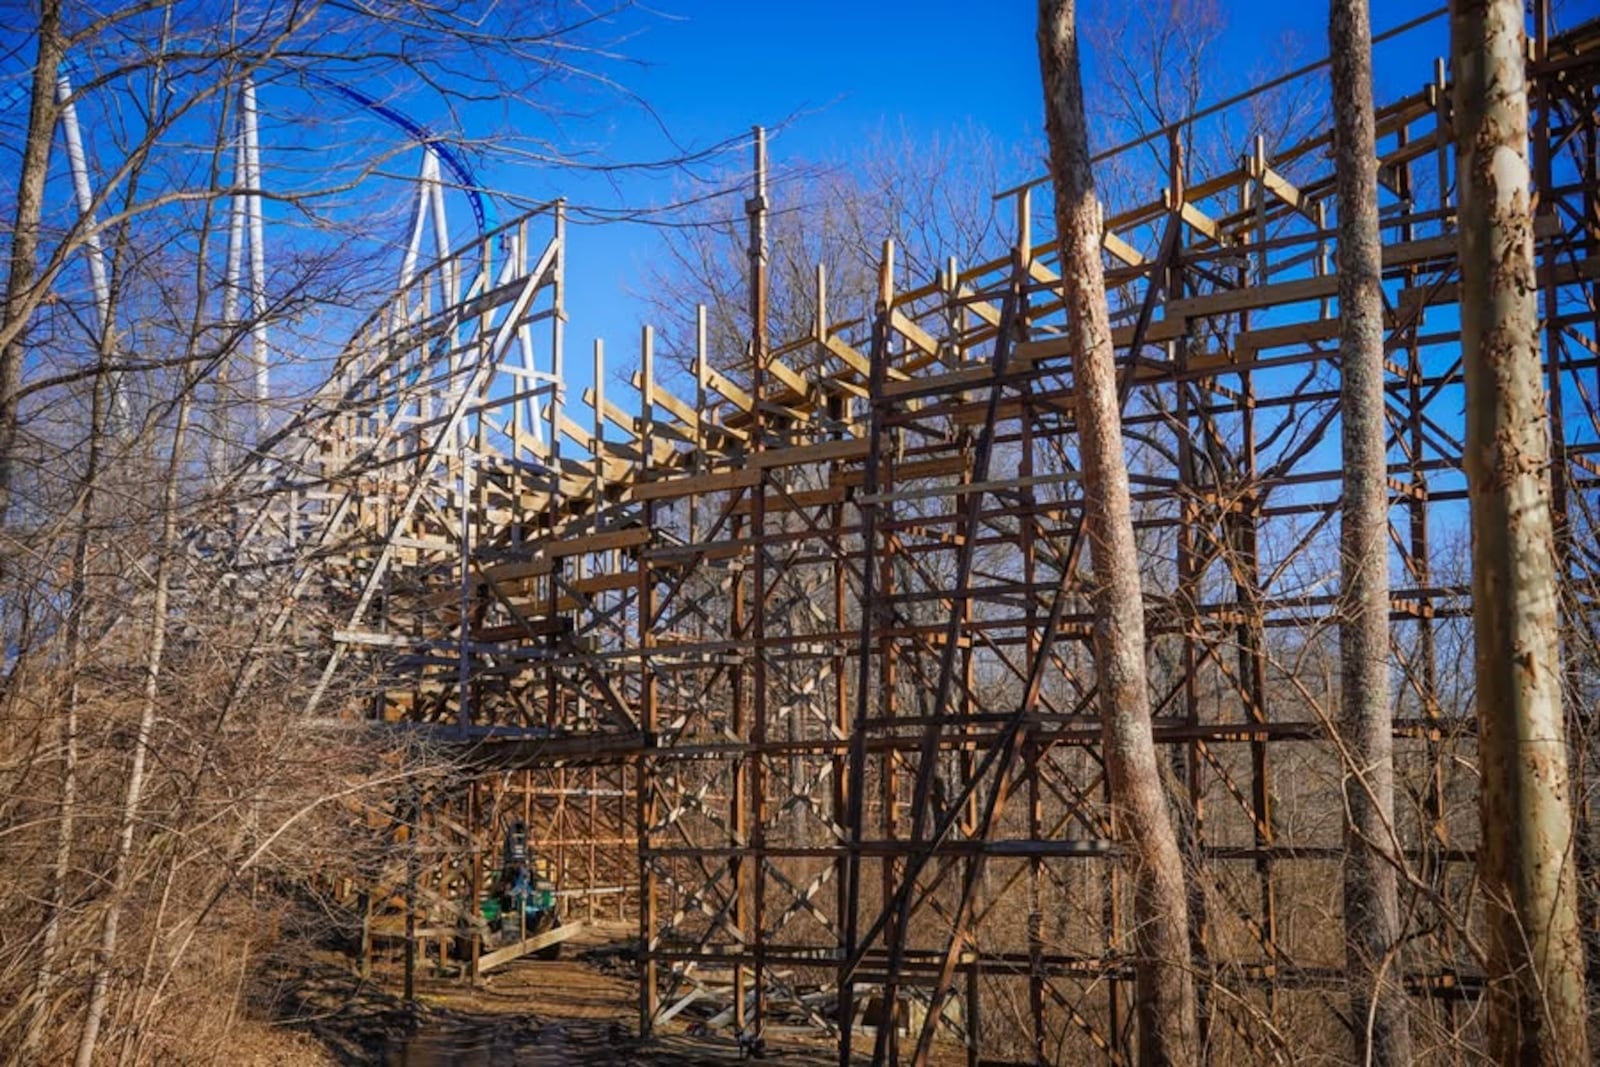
(535, 1014)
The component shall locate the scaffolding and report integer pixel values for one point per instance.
(789, 659)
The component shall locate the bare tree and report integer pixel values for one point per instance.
(934, 195)
(1372, 911)
(22, 277)
(1537, 1008)
(1166, 1001)
(152, 753)
(1160, 66)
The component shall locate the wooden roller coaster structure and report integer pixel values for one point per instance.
(788, 658)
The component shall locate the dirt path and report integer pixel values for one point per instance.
(579, 1009)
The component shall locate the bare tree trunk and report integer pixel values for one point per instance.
(42, 113)
(1166, 1005)
(141, 1008)
(43, 992)
(1371, 902)
(99, 990)
(1526, 857)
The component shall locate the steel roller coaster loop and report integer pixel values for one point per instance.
(244, 287)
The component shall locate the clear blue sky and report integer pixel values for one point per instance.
(832, 73)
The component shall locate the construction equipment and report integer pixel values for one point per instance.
(520, 901)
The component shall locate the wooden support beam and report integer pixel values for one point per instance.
(502, 956)
(715, 379)
(1285, 190)
(854, 359)
(791, 379)
(720, 482)
(806, 498)
(919, 338)
(559, 547)
(825, 451)
(1123, 250)
(696, 427)
(981, 308)
(628, 424)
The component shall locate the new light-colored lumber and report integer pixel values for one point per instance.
(502, 956)
(718, 482)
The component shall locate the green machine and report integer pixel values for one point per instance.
(521, 898)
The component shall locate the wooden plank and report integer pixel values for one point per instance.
(599, 542)
(558, 547)
(808, 498)
(659, 451)
(1025, 354)
(1123, 250)
(513, 572)
(1307, 289)
(905, 472)
(673, 430)
(614, 468)
(1041, 273)
(531, 626)
(1209, 188)
(1248, 342)
(602, 583)
(849, 448)
(701, 553)
(1202, 222)
(1285, 190)
(1414, 149)
(966, 488)
(1030, 352)
(981, 308)
(380, 640)
(789, 378)
(853, 359)
(502, 956)
(844, 386)
(967, 377)
(721, 383)
(721, 481)
(687, 999)
(1254, 296)
(1407, 252)
(690, 423)
(677, 408)
(919, 337)
(1194, 216)
(1565, 273)
(918, 362)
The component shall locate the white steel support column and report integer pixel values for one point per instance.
(94, 251)
(251, 149)
(427, 181)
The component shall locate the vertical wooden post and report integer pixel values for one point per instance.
(842, 786)
(597, 443)
(760, 342)
(560, 826)
(527, 826)
(891, 866)
(1025, 227)
(593, 881)
(644, 768)
(474, 908)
